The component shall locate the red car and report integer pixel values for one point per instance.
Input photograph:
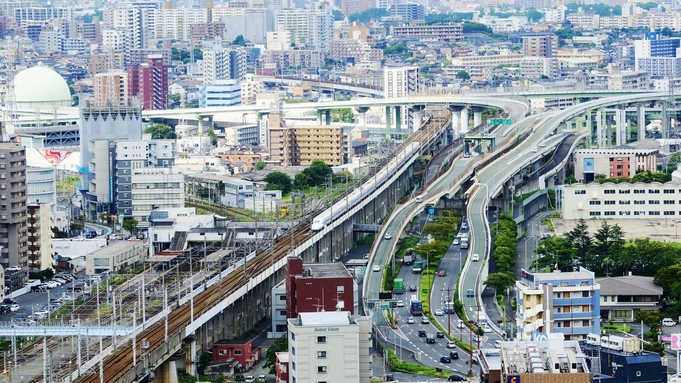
(442, 273)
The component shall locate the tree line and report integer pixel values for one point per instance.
(505, 243)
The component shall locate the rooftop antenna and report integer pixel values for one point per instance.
(319, 306)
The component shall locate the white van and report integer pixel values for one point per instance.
(419, 198)
(668, 322)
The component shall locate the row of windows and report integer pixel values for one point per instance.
(636, 202)
(638, 212)
(628, 191)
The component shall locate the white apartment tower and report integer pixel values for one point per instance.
(312, 29)
(400, 81)
(175, 23)
(329, 347)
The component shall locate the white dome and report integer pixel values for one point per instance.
(40, 86)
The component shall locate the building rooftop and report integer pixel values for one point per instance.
(629, 285)
(116, 246)
(282, 357)
(325, 318)
(545, 357)
(325, 270)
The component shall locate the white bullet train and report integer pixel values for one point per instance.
(339, 208)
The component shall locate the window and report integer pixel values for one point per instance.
(653, 213)
(321, 339)
(669, 191)
(293, 365)
(594, 213)
(222, 352)
(237, 352)
(282, 297)
(609, 191)
(625, 202)
(653, 191)
(293, 336)
(321, 354)
(340, 289)
(293, 350)
(609, 213)
(669, 213)
(594, 202)
(639, 191)
(580, 191)
(321, 369)
(609, 202)
(669, 202)
(282, 312)
(625, 191)
(639, 202)
(653, 202)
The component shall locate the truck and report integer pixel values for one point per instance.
(464, 241)
(408, 257)
(415, 307)
(398, 286)
(417, 268)
(481, 320)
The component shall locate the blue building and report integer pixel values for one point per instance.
(223, 93)
(617, 366)
(557, 302)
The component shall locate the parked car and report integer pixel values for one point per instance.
(4, 309)
(14, 308)
(445, 359)
(668, 322)
(9, 301)
(456, 378)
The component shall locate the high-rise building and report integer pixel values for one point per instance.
(400, 81)
(330, 346)
(310, 29)
(131, 20)
(149, 82)
(544, 45)
(222, 93)
(300, 145)
(13, 200)
(110, 88)
(223, 63)
(39, 236)
(144, 178)
(175, 23)
(408, 11)
(558, 302)
(349, 7)
(661, 58)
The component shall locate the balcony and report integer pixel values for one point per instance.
(572, 301)
(532, 312)
(573, 315)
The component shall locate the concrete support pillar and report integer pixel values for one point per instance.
(362, 110)
(599, 127)
(417, 112)
(398, 118)
(327, 115)
(190, 356)
(608, 132)
(589, 128)
(319, 116)
(641, 124)
(464, 121)
(620, 124)
(167, 372)
(456, 119)
(388, 121)
(477, 116)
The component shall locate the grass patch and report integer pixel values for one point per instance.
(412, 368)
(404, 244)
(547, 221)
(367, 240)
(616, 327)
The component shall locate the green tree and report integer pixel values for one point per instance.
(279, 181)
(581, 241)
(260, 165)
(342, 115)
(670, 280)
(239, 40)
(279, 345)
(316, 174)
(337, 15)
(56, 233)
(650, 318)
(160, 132)
(463, 75)
(471, 27)
(552, 252)
(213, 137)
(533, 15)
(500, 282)
(368, 15)
(130, 225)
(609, 242)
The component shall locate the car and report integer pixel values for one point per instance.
(451, 345)
(535, 150)
(262, 378)
(425, 320)
(456, 378)
(460, 324)
(410, 320)
(9, 301)
(500, 320)
(475, 257)
(430, 338)
(377, 268)
(542, 144)
(14, 308)
(445, 359)
(464, 226)
(454, 355)
(412, 288)
(442, 273)
(400, 304)
(497, 344)
(439, 312)
(475, 338)
(249, 379)
(4, 309)
(422, 333)
(456, 241)
(668, 322)
(469, 293)
(440, 334)
(388, 236)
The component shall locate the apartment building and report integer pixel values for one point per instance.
(39, 236)
(400, 81)
(149, 82)
(175, 23)
(451, 33)
(558, 302)
(310, 29)
(13, 200)
(223, 63)
(661, 58)
(622, 200)
(26, 14)
(330, 346)
(206, 31)
(488, 60)
(220, 93)
(408, 11)
(303, 58)
(540, 45)
(355, 50)
(132, 20)
(300, 145)
(615, 162)
(628, 79)
(110, 88)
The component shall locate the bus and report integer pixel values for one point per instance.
(398, 286)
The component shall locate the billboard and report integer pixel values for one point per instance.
(676, 342)
(589, 165)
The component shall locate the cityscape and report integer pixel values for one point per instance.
(347, 191)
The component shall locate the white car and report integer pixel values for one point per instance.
(410, 320)
(475, 258)
(439, 312)
(400, 304)
(451, 345)
(388, 236)
(425, 320)
(377, 268)
(460, 324)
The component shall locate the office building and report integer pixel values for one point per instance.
(400, 81)
(25, 15)
(623, 296)
(660, 58)
(144, 178)
(251, 23)
(41, 185)
(220, 93)
(540, 45)
(620, 360)
(559, 302)
(408, 11)
(13, 201)
(149, 82)
(614, 162)
(451, 33)
(118, 255)
(349, 7)
(224, 63)
(330, 346)
(303, 58)
(39, 236)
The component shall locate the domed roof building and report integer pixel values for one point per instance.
(40, 86)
